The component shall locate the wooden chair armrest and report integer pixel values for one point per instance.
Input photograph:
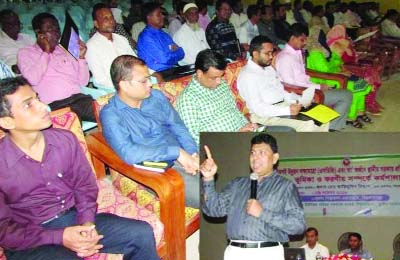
(168, 186)
(318, 96)
(342, 79)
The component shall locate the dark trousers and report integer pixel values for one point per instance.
(80, 103)
(133, 238)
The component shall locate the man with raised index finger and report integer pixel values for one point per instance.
(256, 228)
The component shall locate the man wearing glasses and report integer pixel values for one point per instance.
(140, 125)
(260, 87)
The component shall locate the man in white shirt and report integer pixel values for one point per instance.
(249, 30)
(237, 18)
(191, 37)
(104, 46)
(11, 38)
(264, 94)
(313, 248)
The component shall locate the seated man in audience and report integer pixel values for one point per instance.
(263, 92)
(191, 37)
(356, 247)
(313, 248)
(104, 46)
(389, 26)
(249, 30)
(238, 17)
(266, 25)
(207, 104)
(55, 74)
(220, 33)
(176, 22)
(11, 38)
(281, 26)
(58, 219)
(291, 69)
(154, 45)
(141, 125)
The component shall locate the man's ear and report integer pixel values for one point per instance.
(7, 122)
(275, 158)
(95, 24)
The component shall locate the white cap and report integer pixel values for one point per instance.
(188, 6)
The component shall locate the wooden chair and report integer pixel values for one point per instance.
(179, 221)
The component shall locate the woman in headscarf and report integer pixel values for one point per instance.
(322, 59)
(340, 44)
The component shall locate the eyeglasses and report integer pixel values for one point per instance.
(142, 81)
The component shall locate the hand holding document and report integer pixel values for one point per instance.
(305, 99)
(364, 36)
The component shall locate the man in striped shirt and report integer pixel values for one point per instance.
(256, 225)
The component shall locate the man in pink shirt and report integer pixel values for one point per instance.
(55, 74)
(291, 69)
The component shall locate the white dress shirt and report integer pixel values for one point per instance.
(247, 32)
(312, 253)
(261, 89)
(9, 48)
(237, 20)
(101, 52)
(390, 28)
(192, 42)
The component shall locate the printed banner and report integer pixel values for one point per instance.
(346, 187)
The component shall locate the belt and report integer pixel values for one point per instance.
(59, 215)
(254, 244)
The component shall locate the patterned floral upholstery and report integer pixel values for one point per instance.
(109, 200)
(135, 191)
(231, 75)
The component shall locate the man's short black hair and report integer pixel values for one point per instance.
(252, 10)
(218, 4)
(209, 58)
(121, 68)
(355, 234)
(39, 19)
(329, 4)
(201, 4)
(317, 9)
(257, 42)
(148, 8)
(9, 86)
(298, 29)
(312, 229)
(97, 7)
(6, 13)
(266, 139)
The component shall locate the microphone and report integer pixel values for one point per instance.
(253, 185)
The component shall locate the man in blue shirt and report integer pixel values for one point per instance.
(355, 247)
(141, 125)
(154, 45)
(256, 225)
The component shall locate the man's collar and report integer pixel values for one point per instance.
(289, 48)
(119, 103)
(14, 153)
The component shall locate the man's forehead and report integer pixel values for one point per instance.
(261, 146)
(267, 46)
(214, 72)
(23, 92)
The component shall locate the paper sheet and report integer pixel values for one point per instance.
(322, 113)
(362, 37)
(307, 96)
